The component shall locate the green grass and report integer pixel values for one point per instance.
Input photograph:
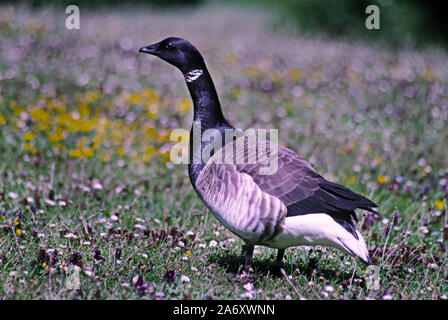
(84, 173)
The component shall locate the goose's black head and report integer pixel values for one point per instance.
(178, 52)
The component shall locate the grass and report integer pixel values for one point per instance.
(85, 177)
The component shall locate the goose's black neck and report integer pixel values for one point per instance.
(207, 108)
(207, 113)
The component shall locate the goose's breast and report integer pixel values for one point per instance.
(238, 203)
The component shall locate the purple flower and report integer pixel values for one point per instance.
(170, 276)
(76, 259)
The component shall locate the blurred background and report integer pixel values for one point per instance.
(289, 64)
(85, 124)
(402, 21)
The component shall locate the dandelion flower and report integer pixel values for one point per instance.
(439, 204)
(28, 136)
(382, 179)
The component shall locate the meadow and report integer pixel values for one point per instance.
(86, 184)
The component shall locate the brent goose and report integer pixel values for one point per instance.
(293, 206)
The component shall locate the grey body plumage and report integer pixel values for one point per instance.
(294, 206)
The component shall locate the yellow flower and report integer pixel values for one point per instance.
(57, 136)
(382, 179)
(134, 98)
(2, 217)
(237, 92)
(150, 94)
(352, 180)
(19, 232)
(84, 109)
(252, 71)
(153, 110)
(75, 153)
(28, 136)
(40, 115)
(378, 160)
(439, 204)
(188, 253)
(2, 119)
(104, 157)
(29, 147)
(231, 58)
(295, 74)
(184, 106)
(88, 153)
(92, 96)
(121, 152)
(58, 146)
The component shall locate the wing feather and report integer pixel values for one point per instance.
(302, 189)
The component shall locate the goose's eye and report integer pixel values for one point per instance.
(169, 46)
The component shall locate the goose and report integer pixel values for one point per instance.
(293, 206)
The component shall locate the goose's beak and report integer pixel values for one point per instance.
(149, 49)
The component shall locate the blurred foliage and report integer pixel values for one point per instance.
(404, 22)
(102, 3)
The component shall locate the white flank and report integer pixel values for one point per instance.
(319, 229)
(193, 75)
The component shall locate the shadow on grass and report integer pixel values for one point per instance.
(233, 264)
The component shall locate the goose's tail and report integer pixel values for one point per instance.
(355, 247)
(321, 229)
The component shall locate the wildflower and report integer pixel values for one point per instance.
(74, 153)
(70, 236)
(13, 195)
(140, 226)
(213, 243)
(56, 137)
(329, 288)
(88, 153)
(96, 184)
(76, 259)
(28, 136)
(121, 152)
(439, 204)
(170, 276)
(184, 106)
(188, 253)
(382, 179)
(352, 180)
(184, 278)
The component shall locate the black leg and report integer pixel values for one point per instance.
(278, 260)
(280, 255)
(248, 248)
(312, 262)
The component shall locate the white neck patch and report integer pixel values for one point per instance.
(193, 75)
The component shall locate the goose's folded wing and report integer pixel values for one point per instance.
(244, 198)
(300, 187)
